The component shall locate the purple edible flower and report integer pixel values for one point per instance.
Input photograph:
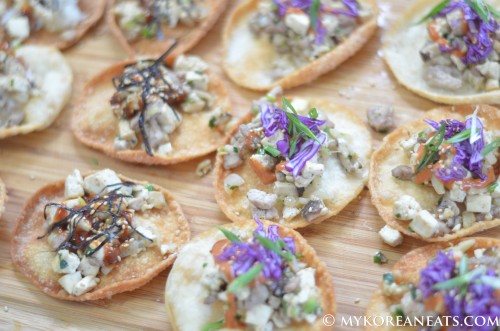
(304, 153)
(479, 39)
(245, 254)
(440, 269)
(272, 119)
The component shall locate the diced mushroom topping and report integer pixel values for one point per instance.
(381, 118)
(403, 172)
(301, 32)
(149, 97)
(262, 200)
(314, 209)
(97, 226)
(22, 17)
(147, 18)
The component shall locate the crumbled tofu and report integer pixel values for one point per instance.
(309, 173)
(437, 185)
(478, 203)
(284, 189)
(298, 23)
(126, 132)
(96, 182)
(89, 266)
(156, 199)
(204, 168)
(496, 192)
(468, 219)
(194, 103)
(85, 285)
(457, 194)
(18, 27)
(261, 199)
(146, 232)
(167, 248)
(232, 182)
(258, 315)
(65, 262)
(69, 281)
(300, 105)
(165, 149)
(409, 143)
(406, 207)
(197, 80)
(391, 236)
(189, 63)
(73, 186)
(290, 212)
(424, 224)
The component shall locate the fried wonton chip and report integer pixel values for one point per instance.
(185, 294)
(93, 9)
(336, 187)
(385, 189)
(248, 60)
(3, 197)
(95, 125)
(187, 36)
(402, 44)
(53, 77)
(33, 256)
(407, 269)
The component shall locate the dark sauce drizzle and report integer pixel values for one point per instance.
(146, 79)
(110, 204)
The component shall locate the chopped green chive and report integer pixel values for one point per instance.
(314, 13)
(491, 147)
(434, 11)
(459, 280)
(481, 9)
(431, 149)
(492, 188)
(300, 127)
(245, 279)
(149, 187)
(313, 113)
(272, 151)
(211, 122)
(213, 326)
(310, 305)
(62, 263)
(379, 258)
(275, 247)
(388, 277)
(95, 161)
(464, 135)
(229, 235)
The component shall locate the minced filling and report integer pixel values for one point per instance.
(20, 18)
(97, 225)
(302, 31)
(150, 98)
(463, 47)
(288, 151)
(144, 18)
(455, 282)
(16, 88)
(459, 161)
(261, 282)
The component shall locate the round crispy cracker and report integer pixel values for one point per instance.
(407, 269)
(53, 79)
(186, 36)
(338, 187)
(33, 256)
(248, 60)
(184, 293)
(402, 44)
(93, 9)
(3, 197)
(385, 189)
(95, 125)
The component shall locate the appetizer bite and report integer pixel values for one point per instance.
(295, 163)
(35, 85)
(438, 285)
(95, 235)
(253, 276)
(437, 179)
(289, 43)
(3, 196)
(49, 22)
(148, 26)
(448, 52)
(152, 112)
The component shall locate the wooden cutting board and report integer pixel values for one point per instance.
(346, 243)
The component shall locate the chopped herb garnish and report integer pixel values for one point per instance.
(271, 98)
(398, 312)
(482, 9)
(272, 151)
(314, 13)
(379, 258)
(148, 32)
(462, 136)
(492, 188)
(149, 187)
(229, 235)
(313, 113)
(62, 263)
(204, 265)
(235, 149)
(213, 326)
(310, 306)
(434, 11)
(245, 279)
(491, 147)
(275, 247)
(298, 125)
(388, 277)
(459, 281)
(211, 122)
(95, 161)
(431, 149)
(413, 291)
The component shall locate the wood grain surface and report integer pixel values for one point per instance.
(346, 243)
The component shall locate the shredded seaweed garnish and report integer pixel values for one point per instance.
(109, 228)
(146, 79)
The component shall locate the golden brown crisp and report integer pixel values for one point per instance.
(385, 189)
(402, 44)
(184, 293)
(407, 269)
(32, 256)
(3, 197)
(248, 60)
(187, 36)
(95, 125)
